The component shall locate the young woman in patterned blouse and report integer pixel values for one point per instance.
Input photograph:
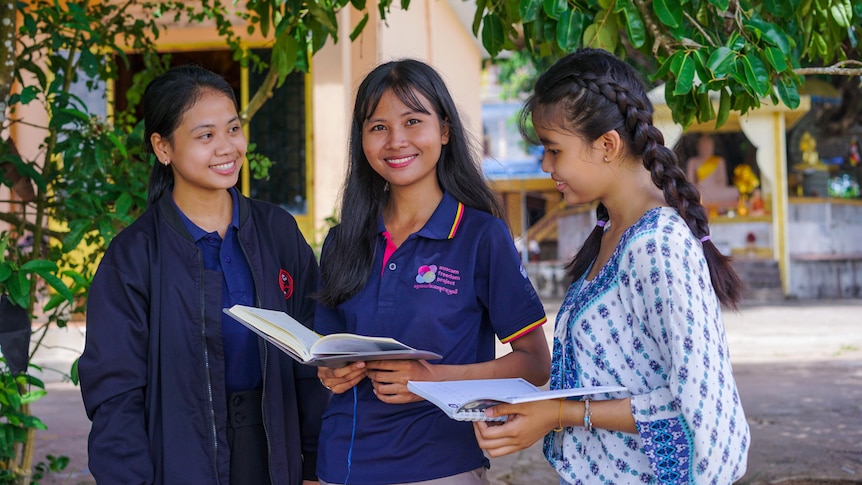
(644, 309)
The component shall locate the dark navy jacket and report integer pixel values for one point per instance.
(152, 371)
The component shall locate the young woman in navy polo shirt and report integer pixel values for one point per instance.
(420, 255)
(644, 308)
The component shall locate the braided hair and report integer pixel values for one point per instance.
(591, 92)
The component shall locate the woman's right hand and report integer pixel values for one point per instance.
(341, 379)
(527, 423)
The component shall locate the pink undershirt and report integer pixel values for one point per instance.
(390, 248)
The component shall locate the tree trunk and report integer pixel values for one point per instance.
(8, 47)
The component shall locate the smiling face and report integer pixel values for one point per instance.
(206, 150)
(577, 167)
(402, 144)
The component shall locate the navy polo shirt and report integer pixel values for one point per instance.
(225, 256)
(449, 288)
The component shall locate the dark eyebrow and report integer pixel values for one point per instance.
(212, 125)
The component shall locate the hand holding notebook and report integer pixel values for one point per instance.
(467, 400)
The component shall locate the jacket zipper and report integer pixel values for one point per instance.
(207, 368)
(259, 302)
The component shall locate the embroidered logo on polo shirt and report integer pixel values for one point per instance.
(285, 282)
(439, 278)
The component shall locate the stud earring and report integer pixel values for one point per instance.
(606, 160)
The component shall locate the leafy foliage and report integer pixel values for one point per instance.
(729, 53)
(93, 178)
(87, 182)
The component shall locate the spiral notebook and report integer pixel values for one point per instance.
(467, 400)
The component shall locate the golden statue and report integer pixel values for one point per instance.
(810, 157)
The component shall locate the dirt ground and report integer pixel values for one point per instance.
(798, 367)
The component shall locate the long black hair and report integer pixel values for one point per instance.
(349, 253)
(591, 92)
(166, 99)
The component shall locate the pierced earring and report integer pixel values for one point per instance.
(606, 160)
(386, 187)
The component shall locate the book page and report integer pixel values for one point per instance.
(345, 343)
(278, 326)
(459, 393)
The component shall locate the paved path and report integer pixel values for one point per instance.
(798, 366)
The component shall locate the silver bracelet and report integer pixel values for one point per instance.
(588, 424)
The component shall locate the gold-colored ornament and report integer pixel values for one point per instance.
(745, 179)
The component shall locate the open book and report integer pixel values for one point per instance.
(308, 347)
(467, 400)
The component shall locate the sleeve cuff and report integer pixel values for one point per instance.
(309, 467)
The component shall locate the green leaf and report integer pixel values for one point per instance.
(669, 12)
(39, 266)
(569, 29)
(776, 58)
(723, 108)
(322, 15)
(33, 422)
(684, 76)
(58, 285)
(841, 14)
(358, 4)
(704, 74)
(665, 66)
(284, 55)
(359, 26)
(721, 61)
(477, 16)
(720, 5)
(756, 74)
(118, 144)
(555, 8)
(33, 396)
(77, 229)
(5, 272)
(602, 33)
(73, 373)
(634, 24)
(529, 10)
(28, 94)
(770, 32)
(788, 91)
(123, 204)
(53, 302)
(492, 34)
(19, 289)
(705, 110)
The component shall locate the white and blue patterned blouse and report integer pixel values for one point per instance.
(650, 321)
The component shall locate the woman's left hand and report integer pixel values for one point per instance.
(389, 378)
(527, 423)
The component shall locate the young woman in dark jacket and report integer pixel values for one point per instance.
(177, 391)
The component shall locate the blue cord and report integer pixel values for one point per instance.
(352, 436)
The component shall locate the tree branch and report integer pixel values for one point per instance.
(669, 43)
(18, 222)
(830, 70)
(700, 28)
(263, 93)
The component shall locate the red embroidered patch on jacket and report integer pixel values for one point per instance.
(285, 282)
